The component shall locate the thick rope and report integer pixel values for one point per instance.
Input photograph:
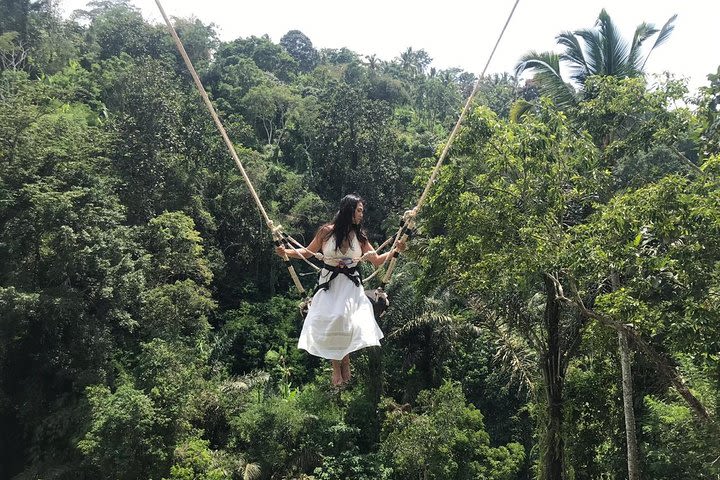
(463, 114)
(296, 246)
(213, 113)
(275, 230)
(410, 223)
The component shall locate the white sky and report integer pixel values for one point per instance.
(458, 33)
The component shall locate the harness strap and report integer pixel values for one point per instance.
(335, 271)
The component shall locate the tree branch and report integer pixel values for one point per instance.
(697, 407)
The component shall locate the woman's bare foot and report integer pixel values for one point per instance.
(345, 369)
(337, 376)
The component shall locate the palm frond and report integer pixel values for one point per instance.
(251, 471)
(562, 94)
(403, 307)
(573, 56)
(642, 33)
(615, 49)
(533, 60)
(547, 74)
(662, 37)
(515, 356)
(245, 382)
(518, 109)
(593, 49)
(433, 319)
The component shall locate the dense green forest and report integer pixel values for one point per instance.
(556, 316)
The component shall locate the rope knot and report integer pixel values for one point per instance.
(409, 217)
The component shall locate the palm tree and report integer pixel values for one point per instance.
(592, 51)
(372, 62)
(415, 62)
(407, 61)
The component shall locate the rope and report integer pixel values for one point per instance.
(275, 230)
(410, 222)
(296, 246)
(289, 241)
(463, 114)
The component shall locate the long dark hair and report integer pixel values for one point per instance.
(343, 221)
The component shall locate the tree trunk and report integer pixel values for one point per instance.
(627, 387)
(554, 452)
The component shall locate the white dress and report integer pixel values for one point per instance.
(340, 319)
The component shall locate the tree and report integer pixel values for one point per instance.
(15, 17)
(633, 462)
(199, 40)
(117, 27)
(338, 56)
(498, 92)
(123, 440)
(709, 114)
(13, 54)
(595, 51)
(267, 56)
(176, 249)
(438, 98)
(372, 62)
(268, 106)
(72, 272)
(423, 327)
(414, 62)
(299, 46)
(157, 159)
(657, 276)
(498, 227)
(289, 436)
(302, 127)
(445, 438)
(195, 460)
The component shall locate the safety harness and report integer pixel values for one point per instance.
(349, 272)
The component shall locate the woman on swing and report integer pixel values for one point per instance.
(340, 319)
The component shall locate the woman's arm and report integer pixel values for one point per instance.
(308, 251)
(376, 259)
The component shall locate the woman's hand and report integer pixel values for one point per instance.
(281, 251)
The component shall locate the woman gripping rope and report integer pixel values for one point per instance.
(340, 319)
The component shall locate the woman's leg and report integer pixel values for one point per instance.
(345, 367)
(337, 376)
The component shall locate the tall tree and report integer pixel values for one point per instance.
(117, 27)
(267, 106)
(710, 116)
(499, 229)
(15, 17)
(299, 46)
(266, 55)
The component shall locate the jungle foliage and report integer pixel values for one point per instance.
(147, 330)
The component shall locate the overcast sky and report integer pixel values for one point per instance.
(458, 33)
